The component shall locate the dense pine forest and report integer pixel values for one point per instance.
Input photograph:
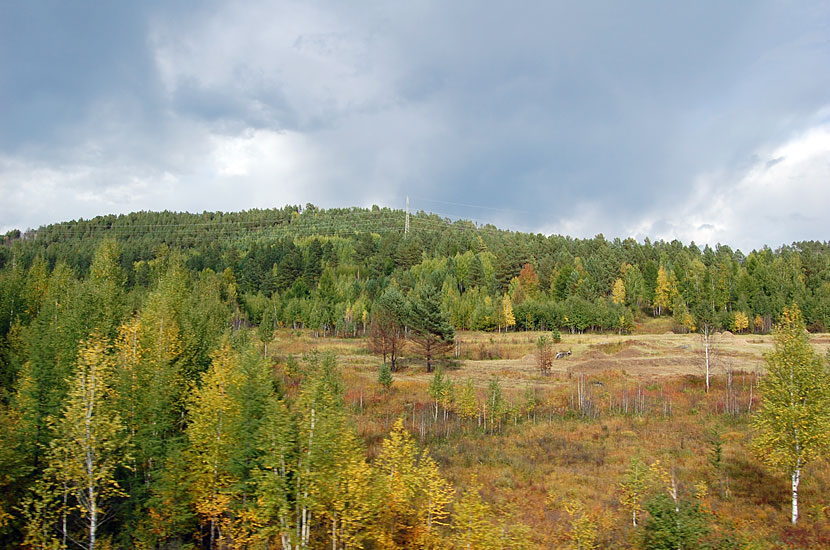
(290, 378)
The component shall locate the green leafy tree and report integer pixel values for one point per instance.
(438, 389)
(267, 326)
(707, 322)
(618, 292)
(792, 423)
(214, 414)
(496, 405)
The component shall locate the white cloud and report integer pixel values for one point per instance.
(781, 198)
(257, 168)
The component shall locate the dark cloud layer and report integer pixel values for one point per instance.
(687, 121)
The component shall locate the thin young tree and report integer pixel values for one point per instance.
(707, 323)
(793, 420)
(386, 336)
(90, 442)
(544, 353)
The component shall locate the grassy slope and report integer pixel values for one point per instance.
(564, 451)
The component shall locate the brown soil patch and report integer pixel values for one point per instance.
(629, 353)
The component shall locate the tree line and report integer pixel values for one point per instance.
(325, 269)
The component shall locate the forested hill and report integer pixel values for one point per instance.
(325, 268)
(149, 399)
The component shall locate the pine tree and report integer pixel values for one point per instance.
(431, 330)
(386, 329)
(385, 377)
(792, 423)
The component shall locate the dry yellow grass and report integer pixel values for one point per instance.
(638, 356)
(536, 461)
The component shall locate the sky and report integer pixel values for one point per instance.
(699, 121)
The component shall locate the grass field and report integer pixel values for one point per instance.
(615, 397)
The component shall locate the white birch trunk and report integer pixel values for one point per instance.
(796, 480)
(706, 331)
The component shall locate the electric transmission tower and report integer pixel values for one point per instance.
(406, 223)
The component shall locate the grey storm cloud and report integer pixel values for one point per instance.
(635, 119)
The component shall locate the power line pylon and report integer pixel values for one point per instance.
(406, 223)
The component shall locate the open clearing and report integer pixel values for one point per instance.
(511, 356)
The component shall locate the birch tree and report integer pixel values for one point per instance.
(793, 421)
(89, 445)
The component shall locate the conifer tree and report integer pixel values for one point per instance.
(431, 330)
(416, 496)
(213, 415)
(471, 523)
(385, 377)
(386, 329)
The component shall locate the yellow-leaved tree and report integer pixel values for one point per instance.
(213, 415)
(792, 424)
(415, 494)
(618, 292)
(88, 447)
(507, 318)
(472, 523)
(662, 292)
(740, 322)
